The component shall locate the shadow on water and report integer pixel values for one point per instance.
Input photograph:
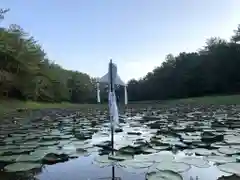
(84, 169)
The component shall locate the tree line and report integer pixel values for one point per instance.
(213, 70)
(27, 73)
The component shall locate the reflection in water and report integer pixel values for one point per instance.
(83, 169)
(113, 175)
(113, 172)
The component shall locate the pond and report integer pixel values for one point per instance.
(179, 143)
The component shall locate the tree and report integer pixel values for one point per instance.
(214, 69)
(236, 36)
(26, 72)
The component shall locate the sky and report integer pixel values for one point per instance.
(137, 35)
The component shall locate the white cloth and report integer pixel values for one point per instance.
(98, 93)
(113, 108)
(125, 95)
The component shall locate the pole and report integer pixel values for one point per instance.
(111, 118)
(113, 172)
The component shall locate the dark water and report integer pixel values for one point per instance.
(84, 169)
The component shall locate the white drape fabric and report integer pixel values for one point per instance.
(98, 93)
(125, 95)
(113, 109)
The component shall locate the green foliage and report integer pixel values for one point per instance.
(212, 70)
(26, 72)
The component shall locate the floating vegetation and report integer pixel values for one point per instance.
(163, 175)
(233, 168)
(20, 167)
(157, 142)
(198, 162)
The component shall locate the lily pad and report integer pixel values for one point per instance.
(136, 164)
(203, 152)
(52, 158)
(8, 159)
(29, 146)
(198, 162)
(18, 151)
(103, 160)
(157, 157)
(228, 150)
(177, 167)
(149, 150)
(161, 148)
(119, 157)
(20, 167)
(42, 152)
(28, 158)
(48, 143)
(233, 168)
(221, 159)
(163, 175)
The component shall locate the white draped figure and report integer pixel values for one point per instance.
(112, 79)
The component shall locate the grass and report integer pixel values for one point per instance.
(217, 100)
(9, 106)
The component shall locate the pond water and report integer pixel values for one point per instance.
(182, 142)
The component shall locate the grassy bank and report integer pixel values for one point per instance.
(12, 106)
(217, 100)
(8, 106)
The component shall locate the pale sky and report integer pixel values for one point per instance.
(137, 34)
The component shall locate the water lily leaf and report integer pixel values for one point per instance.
(238, 158)
(8, 159)
(29, 146)
(157, 157)
(202, 152)
(233, 140)
(163, 175)
(2, 152)
(171, 166)
(6, 148)
(20, 167)
(198, 162)
(149, 150)
(64, 142)
(120, 157)
(160, 148)
(228, 150)
(233, 168)
(52, 158)
(28, 158)
(19, 135)
(135, 164)
(219, 145)
(12, 140)
(66, 136)
(48, 143)
(221, 159)
(103, 161)
(40, 153)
